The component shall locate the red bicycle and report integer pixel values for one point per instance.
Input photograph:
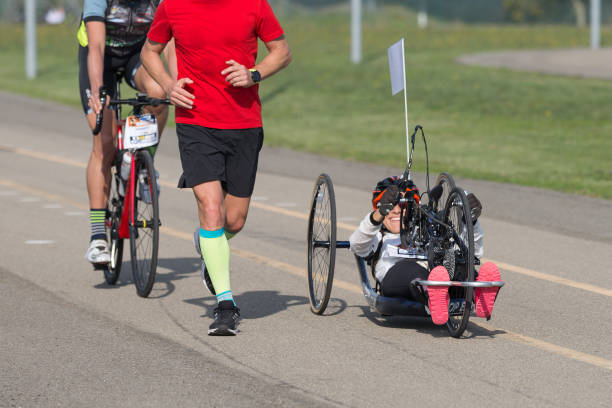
(133, 205)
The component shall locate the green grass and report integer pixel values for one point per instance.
(495, 124)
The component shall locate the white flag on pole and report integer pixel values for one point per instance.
(396, 66)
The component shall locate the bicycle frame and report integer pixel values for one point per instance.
(127, 210)
(127, 222)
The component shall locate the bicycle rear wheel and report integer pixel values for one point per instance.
(461, 244)
(111, 273)
(321, 244)
(144, 232)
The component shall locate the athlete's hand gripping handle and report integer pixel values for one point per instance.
(99, 117)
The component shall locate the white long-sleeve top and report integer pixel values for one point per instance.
(365, 239)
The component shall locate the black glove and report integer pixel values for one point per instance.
(475, 207)
(388, 200)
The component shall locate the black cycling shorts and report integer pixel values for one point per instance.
(227, 155)
(398, 281)
(129, 63)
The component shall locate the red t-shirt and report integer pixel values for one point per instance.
(207, 33)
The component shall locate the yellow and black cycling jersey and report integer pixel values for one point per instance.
(127, 23)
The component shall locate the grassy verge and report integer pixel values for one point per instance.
(494, 124)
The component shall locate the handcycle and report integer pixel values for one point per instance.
(133, 204)
(435, 226)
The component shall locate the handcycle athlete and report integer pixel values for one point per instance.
(377, 239)
(423, 250)
(110, 37)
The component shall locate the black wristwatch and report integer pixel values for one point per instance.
(255, 75)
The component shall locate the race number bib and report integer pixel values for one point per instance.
(395, 251)
(140, 131)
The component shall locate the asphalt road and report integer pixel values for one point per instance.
(68, 339)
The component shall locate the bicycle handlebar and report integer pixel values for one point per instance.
(103, 96)
(140, 100)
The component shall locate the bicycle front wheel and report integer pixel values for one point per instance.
(112, 271)
(447, 183)
(144, 231)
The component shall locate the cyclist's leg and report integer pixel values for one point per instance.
(100, 160)
(399, 281)
(138, 78)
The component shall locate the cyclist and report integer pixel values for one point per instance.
(110, 37)
(218, 115)
(377, 239)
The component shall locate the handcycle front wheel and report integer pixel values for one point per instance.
(321, 244)
(144, 232)
(461, 242)
(447, 183)
(112, 271)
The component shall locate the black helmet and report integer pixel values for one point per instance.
(381, 187)
(405, 186)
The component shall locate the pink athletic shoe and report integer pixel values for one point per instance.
(485, 297)
(438, 296)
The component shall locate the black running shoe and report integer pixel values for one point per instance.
(226, 319)
(204, 271)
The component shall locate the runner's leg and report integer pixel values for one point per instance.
(213, 243)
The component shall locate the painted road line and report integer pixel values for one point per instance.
(42, 194)
(294, 270)
(341, 225)
(39, 242)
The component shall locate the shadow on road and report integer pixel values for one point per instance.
(425, 325)
(168, 270)
(254, 304)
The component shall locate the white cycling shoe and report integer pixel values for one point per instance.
(98, 252)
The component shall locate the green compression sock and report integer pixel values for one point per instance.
(216, 254)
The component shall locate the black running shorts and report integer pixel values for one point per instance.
(227, 155)
(129, 63)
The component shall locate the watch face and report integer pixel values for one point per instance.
(255, 76)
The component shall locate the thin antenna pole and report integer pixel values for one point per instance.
(406, 105)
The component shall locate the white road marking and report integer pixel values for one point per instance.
(52, 206)
(39, 242)
(259, 198)
(29, 199)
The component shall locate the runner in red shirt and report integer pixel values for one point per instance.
(218, 116)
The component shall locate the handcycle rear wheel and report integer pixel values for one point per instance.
(112, 271)
(321, 244)
(144, 232)
(457, 214)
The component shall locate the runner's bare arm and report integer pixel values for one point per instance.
(279, 56)
(151, 60)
